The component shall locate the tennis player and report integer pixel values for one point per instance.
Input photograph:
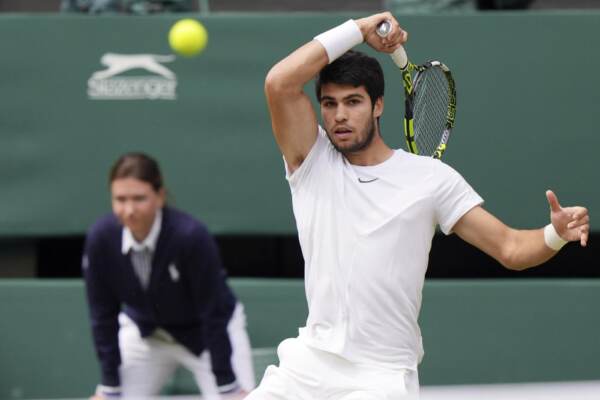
(366, 215)
(157, 294)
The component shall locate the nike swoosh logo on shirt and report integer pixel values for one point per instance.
(367, 180)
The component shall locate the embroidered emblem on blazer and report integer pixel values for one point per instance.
(174, 272)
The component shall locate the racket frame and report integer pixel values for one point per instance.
(410, 87)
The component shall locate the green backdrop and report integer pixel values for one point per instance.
(474, 332)
(528, 101)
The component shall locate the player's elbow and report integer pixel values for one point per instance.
(508, 254)
(511, 262)
(509, 258)
(278, 84)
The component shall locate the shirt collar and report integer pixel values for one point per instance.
(149, 242)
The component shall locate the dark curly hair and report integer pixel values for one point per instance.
(356, 69)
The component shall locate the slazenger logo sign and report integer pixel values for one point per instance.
(106, 85)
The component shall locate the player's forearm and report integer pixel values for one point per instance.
(525, 249)
(289, 76)
(522, 249)
(514, 249)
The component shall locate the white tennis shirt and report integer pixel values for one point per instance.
(366, 246)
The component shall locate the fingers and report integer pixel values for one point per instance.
(578, 216)
(394, 39)
(580, 212)
(583, 232)
(392, 43)
(397, 35)
(584, 238)
(552, 201)
(577, 222)
(580, 223)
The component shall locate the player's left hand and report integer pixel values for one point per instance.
(571, 223)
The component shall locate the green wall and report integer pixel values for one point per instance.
(528, 100)
(491, 331)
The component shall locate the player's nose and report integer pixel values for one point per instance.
(341, 114)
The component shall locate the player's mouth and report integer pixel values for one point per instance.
(342, 132)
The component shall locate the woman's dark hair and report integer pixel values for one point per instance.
(139, 166)
(356, 69)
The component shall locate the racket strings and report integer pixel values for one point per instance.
(432, 97)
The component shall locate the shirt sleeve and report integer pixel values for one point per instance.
(215, 303)
(454, 198)
(104, 309)
(311, 163)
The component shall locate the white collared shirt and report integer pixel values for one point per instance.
(141, 253)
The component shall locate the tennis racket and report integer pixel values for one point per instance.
(430, 102)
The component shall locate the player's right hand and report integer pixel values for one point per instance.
(368, 27)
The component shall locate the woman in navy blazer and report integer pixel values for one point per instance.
(157, 294)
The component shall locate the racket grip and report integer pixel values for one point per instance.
(400, 58)
(399, 55)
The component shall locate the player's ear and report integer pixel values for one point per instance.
(378, 107)
(162, 197)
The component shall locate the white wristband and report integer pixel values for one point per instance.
(108, 391)
(340, 39)
(552, 239)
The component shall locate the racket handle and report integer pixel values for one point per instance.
(384, 28)
(400, 58)
(399, 55)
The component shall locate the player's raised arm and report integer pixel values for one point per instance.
(521, 249)
(293, 119)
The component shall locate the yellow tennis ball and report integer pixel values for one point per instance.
(188, 37)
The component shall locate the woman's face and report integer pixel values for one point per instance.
(135, 203)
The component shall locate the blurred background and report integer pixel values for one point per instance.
(525, 120)
(528, 94)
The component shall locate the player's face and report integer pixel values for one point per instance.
(135, 203)
(349, 116)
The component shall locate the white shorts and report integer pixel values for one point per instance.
(148, 363)
(305, 373)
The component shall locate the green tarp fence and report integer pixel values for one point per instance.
(528, 101)
(492, 331)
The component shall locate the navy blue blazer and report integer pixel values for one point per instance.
(187, 295)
